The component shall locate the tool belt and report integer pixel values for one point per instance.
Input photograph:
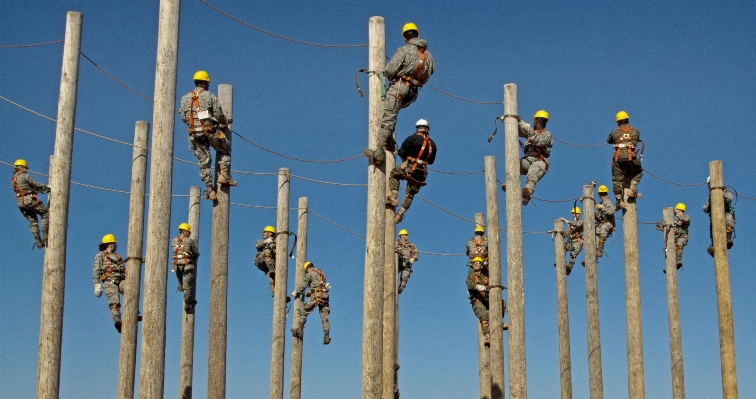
(409, 81)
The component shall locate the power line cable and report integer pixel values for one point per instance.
(457, 173)
(294, 158)
(671, 182)
(464, 99)
(579, 145)
(277, 35)
(114, 78)
(30, 45)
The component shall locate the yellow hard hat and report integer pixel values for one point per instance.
(185, 226)
(410, 26)
(622, 115)
(477, 259)
(202, 75)
(269, 229)
(576, 210)
(603, 189)
(20, 162)
(307, 264)
(479, 229)
(108, 238)
(403, 232)
(541, 114)
(680, 206)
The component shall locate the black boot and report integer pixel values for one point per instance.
(326, 338)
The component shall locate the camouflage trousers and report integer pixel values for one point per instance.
(400, 172)
(201, 144)
(534, 169)
(729, 226)
(186, 277)
(113, 290)
(30, 207)
(574, 247)
(603, 229)
(398, 96)
(480, 308)
(630, 171)
(405, 269)
(267, 266)
(309, 307)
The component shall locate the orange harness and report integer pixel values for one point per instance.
(399, 247)
(109, 265)
(478, 245)
(478, 296)
(20, 193)
(417, 160)
(421, 73)
(179, 253)
(320, 290)
(630, 147)
(206, 130)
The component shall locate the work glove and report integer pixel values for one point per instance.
(411, 261)
(46, 190)
(173, 270)
(98, 290)
(294, 293)
(269, 240)
(600, 207)
(480, 287)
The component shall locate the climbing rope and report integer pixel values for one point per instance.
(30, 45)
(279, 36)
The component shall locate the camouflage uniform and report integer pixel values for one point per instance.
(537, 149)
(317, 296)
(185, 254)
(479, 299)
(408, 254)
(29, 205)
(729, 216)
(604, 223)
(403, 68)
(477, 246)
(681, 226)
(110, 270)
(574, 241)
(265, 259)
(625, 165)
(206, 132)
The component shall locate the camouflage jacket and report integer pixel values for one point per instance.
(315, 279)
(185, 251)
(23, 183)
(624, 139)
(606, 213)
(574, 230)
(477, 278)
(538, 143)
(727, 200)
(406, 252)
(265, 250)
(477, 246)
(207, 102)
(682, 223)
(406, 60)
(108, 266)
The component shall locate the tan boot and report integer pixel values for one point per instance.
(400, 215)
(393, 199)
(210, 193)
(620, 202)
(634, 189)
(224, 177)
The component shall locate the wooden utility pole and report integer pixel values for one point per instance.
(390, 299)
(496, 313)
(563, 318)
(129, 327)
(54, 273)
(216, 359)
(595, 374)
(517, 380)
(673, 306)
(186, 371)
(722, 276)
(372, 320)
(280, 294)
(152, 361)
(635, 383)
(484, 357)
(295, 388)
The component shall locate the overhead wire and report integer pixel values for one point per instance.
(294, 158)
(30, 45)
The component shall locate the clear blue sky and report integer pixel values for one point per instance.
(683, 71)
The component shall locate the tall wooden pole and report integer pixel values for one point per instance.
(517, 380)
(673, 306)
(152, 361)
(295, 386)
(496, 313)
(595, 373)
(722, 276)
(280, 294)
(390, 299)
(216, 359)
(186, 371)
(54, 273)
(372, 321)
(635, 383)
(563, 318)
(129, 328)
(484, 357)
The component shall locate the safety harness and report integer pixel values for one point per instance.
(538, 149)
(478, 247)
(621, 145)
(193, 129)
(20, 193)
(477, 295)
(418, 160)
(109, 266)
(421, 73)
(180, 257)
(317, 293)
(399, 247)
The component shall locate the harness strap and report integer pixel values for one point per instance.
(20, 192)
(109, 266)
(421, 73)
(630, 147)
(179, 253)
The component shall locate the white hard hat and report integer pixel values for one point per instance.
(422, 122)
